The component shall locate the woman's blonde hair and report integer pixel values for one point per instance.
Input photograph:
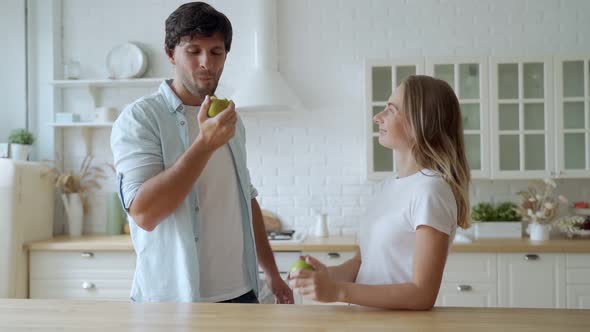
(436, 135)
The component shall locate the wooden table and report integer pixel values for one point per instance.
(61, 315)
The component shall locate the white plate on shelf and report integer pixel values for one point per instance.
(126, 61)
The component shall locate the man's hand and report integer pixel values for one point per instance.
(217, 131)
(281, 291)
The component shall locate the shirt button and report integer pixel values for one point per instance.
(182, 123)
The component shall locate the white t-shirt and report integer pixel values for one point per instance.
(388, 236)
(223, 273)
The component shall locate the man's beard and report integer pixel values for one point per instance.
(201, 92)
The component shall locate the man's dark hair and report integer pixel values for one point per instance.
(195, 19)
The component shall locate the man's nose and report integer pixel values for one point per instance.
(204, 61)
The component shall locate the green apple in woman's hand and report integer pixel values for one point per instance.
(217, 105)
(300, 264)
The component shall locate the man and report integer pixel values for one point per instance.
(195, 223)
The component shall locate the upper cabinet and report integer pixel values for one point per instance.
(382, 77)
(572, 91)
(469, 79)
(522, 118)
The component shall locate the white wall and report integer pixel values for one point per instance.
(296, 159)
(12, 67)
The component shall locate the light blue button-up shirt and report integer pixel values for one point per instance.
(147, 138)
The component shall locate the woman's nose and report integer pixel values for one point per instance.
(377, 118)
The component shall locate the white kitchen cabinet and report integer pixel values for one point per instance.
(531, 280)
(469, 79)
(524, 117)
(578, 296)
(578, 281)
(572, 116)
(521, 102)
(469, 280)
(98, 275)
(381, 78)
(467, 295)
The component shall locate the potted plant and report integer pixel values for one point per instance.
(539, 208)
(20, 144)
(502, 221)
(75, 187)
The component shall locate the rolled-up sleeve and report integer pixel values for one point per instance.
(242, 134)
(137, 152)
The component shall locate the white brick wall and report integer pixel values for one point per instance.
(314, 159)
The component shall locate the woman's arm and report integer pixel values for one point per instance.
(420, 294)
(347, 271)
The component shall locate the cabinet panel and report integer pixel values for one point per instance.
(531, 280)
(467, 295)
(578, 296)
(470, 267)
(83, 289)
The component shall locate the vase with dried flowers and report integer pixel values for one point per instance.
(75, 187)
(539, 207)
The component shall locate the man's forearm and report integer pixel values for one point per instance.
(266, 258)
(161, 195)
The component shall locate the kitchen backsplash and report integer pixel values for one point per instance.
(300, 169)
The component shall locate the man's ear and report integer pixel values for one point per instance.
(170, 55)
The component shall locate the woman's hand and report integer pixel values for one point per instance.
(316, 285)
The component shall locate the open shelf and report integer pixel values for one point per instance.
(138, 82)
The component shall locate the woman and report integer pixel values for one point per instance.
(405, 240)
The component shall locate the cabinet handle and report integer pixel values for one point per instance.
(464, 288)
(88, 285)
(333, 255)
(531, 257)
(87, 254)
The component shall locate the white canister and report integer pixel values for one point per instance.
(105, 114)
(539, 232)
(321, 227)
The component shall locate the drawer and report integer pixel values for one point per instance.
(90, 289)
(467, 295)
(577, 260)
(468, 267)
(331, 258)
(81, 265)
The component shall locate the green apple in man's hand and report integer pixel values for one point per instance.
(217, 105)
(300, 264)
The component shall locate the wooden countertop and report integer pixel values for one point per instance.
(65, 315)
(123, 243)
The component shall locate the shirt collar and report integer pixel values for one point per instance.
(171, 98)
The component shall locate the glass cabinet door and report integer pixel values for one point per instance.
(382, 79)
(521, 130)
(468, 78)
(573, 98)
